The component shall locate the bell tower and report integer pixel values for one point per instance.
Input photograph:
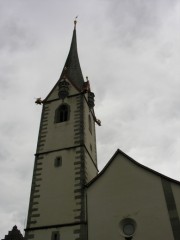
(65, 158)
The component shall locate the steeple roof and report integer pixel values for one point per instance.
(72, 68)
(14, 234)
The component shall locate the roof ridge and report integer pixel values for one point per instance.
(118, 151)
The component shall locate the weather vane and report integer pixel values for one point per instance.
(75, 21)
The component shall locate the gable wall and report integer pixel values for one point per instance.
(54, 94)
(126, 190)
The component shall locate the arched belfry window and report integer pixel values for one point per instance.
(62, 113)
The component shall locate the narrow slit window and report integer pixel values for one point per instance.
(55, 236)
(58, 162)
(91, 147)
(90, 124)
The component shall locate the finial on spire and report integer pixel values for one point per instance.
(75, 21)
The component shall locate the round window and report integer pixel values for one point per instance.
(128, 227)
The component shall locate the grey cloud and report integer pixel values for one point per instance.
(133, 20)
(6, 76)
(16, 31)
(3, 153)
(14, 36)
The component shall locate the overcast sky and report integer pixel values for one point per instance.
(129, 49)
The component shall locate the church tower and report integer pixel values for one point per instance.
(65, 159)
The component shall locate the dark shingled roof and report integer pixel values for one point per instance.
(15, 234)
(72, 68)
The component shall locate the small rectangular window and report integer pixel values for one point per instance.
(58, 162)
(91, 147)
(55, 236)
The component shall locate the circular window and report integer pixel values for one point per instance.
(128, 227)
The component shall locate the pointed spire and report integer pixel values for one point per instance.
(72, 68)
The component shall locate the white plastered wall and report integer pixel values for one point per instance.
(126, 190)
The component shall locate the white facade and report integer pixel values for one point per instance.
(128, 190)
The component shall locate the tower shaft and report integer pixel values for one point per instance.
(65, 160)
